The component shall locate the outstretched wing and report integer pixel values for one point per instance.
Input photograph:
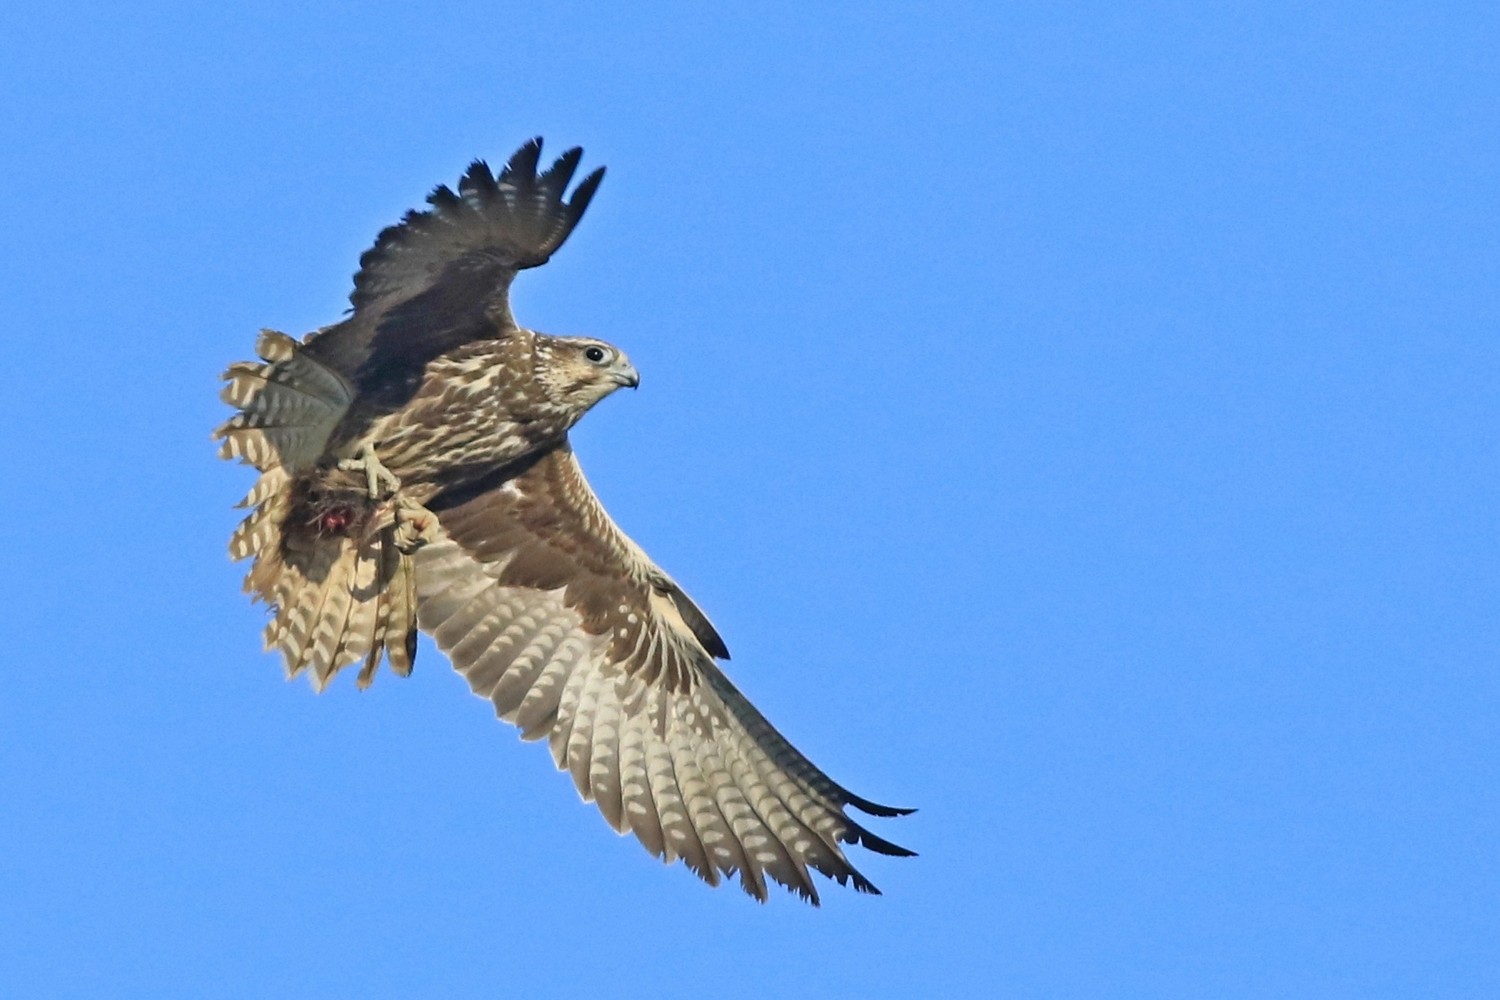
(556, 617)
(441, 276)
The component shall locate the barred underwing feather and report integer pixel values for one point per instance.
(538, 709)
(604, 757)
(708, 826)
(572, 738)
(635, 789)
(437, 607)
(739, 819)
(636, 711)
(468, 612)
(530, 652)
(672, 811)
(768, 851)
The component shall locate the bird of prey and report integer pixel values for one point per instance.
(415, 472)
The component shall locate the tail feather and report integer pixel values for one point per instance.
(400, 634)
(330, 635)
(339, 593)
(268, 485)
(288, 406)
(270, 501)
(336, 600)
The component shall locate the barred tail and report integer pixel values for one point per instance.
(288, 406)
(337, 596)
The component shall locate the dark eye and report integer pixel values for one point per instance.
(594, 354)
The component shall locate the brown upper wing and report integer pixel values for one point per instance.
(441, 276)
(561, 621)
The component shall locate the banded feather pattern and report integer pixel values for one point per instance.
(677, 756)
(336, 598)
(415, 472)
(288, 406)
(335, 601)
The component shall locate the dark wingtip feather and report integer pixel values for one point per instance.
(874, 808)
(521, 170)
(583, 194)
(560, 173)
(857, 834)
(848, 875)
(517, 217)
(882, 846)
(478, 179)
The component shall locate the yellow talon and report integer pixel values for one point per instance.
(376, 474)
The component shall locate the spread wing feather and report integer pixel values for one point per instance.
(441, 277)
(556, 617)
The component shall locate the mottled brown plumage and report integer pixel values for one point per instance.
(415, 471)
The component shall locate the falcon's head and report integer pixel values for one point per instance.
(577, 372)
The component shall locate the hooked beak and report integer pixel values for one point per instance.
(625, 374)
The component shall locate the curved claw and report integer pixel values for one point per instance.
(415, 525)
(376, 474)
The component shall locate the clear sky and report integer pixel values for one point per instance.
(1081, 421)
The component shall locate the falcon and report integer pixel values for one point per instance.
(415, 473)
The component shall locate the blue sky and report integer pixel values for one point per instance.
(1081, 421)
